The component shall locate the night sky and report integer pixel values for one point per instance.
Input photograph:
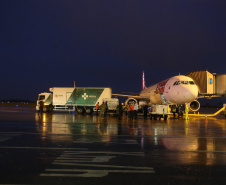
(106, 43)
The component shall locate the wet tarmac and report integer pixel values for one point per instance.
(67, 148)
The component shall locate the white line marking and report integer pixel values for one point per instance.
(71, 153)
(83, 170)
(89, 173)
(44, 148)
(104, 166)
(96, 159)
(4, 138)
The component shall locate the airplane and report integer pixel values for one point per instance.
(176, 90)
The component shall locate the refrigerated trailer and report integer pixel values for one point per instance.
(80, 99)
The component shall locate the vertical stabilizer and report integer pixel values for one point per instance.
(143, 81)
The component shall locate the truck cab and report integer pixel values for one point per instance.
(46, 98)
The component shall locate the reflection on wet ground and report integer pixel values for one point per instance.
(176, 146)
(200, 138)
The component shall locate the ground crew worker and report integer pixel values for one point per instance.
(128, 110)
(102, 109)
(145, 108)
(179, 111)
(41, 106)
(186, 112)
(125, 109)
(120, 110)
(97, 108)
(174, 110)
(135, 110)
(131, 110)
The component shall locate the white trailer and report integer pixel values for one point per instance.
(80, 99)
(159, 111)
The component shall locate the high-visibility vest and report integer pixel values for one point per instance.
(131, 107)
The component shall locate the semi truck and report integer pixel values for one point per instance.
(80, 99)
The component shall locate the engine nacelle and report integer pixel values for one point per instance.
(129, 100)
(194, 106)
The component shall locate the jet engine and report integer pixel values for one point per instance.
(194, 106)
(130, 100)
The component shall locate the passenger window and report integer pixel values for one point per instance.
(175, 83)
(191, 82)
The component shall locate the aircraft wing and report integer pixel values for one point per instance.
(131, 96)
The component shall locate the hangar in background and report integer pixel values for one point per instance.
(209, 84)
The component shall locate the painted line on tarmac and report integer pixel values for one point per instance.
(150, 170)
(43, 148)
(104, 166)
(71, 153)
(88, 173)
(4, 139)
(113, 141)
(203, 151)
(93, 164)
(95, 159)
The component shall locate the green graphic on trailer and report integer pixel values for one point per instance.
(48, 100)
(84, 96)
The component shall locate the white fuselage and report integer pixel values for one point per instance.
(176, 90)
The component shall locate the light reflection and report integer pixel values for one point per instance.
(186, 138)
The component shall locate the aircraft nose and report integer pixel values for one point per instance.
(192, 92)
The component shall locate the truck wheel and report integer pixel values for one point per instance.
(80, 110)
(89, 111)
(160, 117)
(45, 109)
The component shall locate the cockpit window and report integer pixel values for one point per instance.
(177, 83)
(184, 82)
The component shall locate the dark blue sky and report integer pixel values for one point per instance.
(106, 43)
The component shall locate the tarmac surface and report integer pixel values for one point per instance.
(67, 148)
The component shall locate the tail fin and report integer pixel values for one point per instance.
(143, 82)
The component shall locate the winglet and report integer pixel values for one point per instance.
(143, 82)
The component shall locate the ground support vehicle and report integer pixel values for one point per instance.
(80, 99)
(159, 111)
